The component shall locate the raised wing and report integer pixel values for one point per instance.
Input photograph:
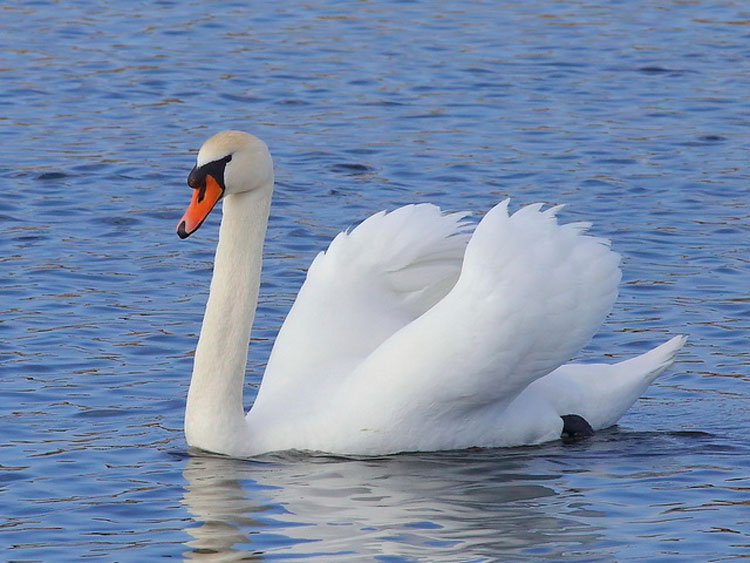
(371, 282)
(530, 295)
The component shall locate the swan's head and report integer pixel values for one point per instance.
(228, 163)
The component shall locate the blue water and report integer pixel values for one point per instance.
(635, 114)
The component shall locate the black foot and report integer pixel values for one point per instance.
(575, 427)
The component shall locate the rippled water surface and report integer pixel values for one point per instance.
(635, 114)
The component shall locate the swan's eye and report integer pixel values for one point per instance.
(215, 169)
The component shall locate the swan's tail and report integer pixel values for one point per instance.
(628, 380)
(648, 366)
(601, 393)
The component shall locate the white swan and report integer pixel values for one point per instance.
(410, 333)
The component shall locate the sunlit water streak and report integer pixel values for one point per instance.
(635, 115)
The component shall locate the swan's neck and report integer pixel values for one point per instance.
(214, 414)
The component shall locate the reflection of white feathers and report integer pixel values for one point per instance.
(441, 507)
(413, 333)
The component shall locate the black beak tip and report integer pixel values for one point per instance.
(181, 232)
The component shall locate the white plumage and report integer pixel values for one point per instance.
(411, 332)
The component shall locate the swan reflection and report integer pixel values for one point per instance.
(447, 506)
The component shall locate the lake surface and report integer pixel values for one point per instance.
(635, 114)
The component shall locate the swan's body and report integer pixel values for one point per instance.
(410, 333)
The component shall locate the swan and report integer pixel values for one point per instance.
(411, 332)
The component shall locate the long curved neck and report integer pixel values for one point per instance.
(214, 414)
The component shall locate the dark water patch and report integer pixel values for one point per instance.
(517, 175)
(636, 189)
(362, 150)
(704, 140)
(292, 102)
(730, 231)
(350, 169)
(117, 220)
(100, 413)
(478, 70)
(660, 70)
(49, 176)
(30, 238)
(385, 103)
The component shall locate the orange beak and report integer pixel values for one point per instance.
(203, 201)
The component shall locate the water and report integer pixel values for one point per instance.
(634, 114)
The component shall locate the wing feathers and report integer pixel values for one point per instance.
(531, 293)
(369, 283)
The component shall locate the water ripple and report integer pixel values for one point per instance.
(636, 117)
